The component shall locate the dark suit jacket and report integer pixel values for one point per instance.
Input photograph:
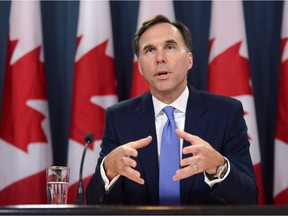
(216, 119)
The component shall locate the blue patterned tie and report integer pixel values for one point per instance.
(169, 190)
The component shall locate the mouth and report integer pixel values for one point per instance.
(161, 74)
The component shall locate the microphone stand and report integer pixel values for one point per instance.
(80, 193)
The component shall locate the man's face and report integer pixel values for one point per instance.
(164, 60)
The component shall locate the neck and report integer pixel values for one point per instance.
(169, 96)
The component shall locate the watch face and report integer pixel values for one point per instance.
(222, 170)
(222, 174)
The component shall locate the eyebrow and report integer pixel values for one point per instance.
(147, 47)
(170, 41)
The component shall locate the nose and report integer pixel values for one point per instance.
(161, 57)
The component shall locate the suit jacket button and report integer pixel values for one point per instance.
(220, 199)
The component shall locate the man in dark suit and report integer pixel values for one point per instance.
(215, 165)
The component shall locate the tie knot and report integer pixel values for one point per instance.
(168, 110)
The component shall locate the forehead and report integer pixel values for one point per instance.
(160, 33)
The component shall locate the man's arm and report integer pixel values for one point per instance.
(239, 186)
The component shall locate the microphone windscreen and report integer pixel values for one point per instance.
(89, 138)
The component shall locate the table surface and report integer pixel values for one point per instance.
(142, 210)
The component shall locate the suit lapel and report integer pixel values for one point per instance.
(196, 124)
(144, 125)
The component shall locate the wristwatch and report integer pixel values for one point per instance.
(221, 170)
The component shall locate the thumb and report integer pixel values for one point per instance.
(140, 143)
(186, 136)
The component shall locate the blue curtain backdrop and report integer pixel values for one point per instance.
(59, 18)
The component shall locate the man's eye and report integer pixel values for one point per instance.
(170, 47)
(149, 50)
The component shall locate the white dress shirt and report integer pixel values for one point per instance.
(180, 105)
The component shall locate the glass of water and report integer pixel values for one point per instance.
(57, 178)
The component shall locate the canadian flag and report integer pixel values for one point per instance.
(147, 9)
(281, 139)
(229, 69)
(94, 88)
(25, 141)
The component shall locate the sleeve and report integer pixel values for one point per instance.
(211, 183)
(241, 181)
(107, 184)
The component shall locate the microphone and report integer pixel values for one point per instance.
(80, 193)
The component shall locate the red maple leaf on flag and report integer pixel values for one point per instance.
(93, 79)
(229, 75)
(94, 89)
(233, 74)
(24, 80)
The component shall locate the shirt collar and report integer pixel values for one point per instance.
(179, 104)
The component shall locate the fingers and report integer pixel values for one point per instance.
(131, 147)
(120, 161)
(188, 137)
(196, 142)
(140, 143)
(128, 170)
(203, 156)
(190, 166)
(189, 161)
(133, 175)
(186, 172)
(127, 161)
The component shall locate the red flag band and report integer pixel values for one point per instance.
(281, 139)
(229, 72)
(25, 141)
(94, 88)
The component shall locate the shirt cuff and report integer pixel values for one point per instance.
(107, 184)
(211, 183)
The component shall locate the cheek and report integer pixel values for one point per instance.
(145, 68)
(183, 67)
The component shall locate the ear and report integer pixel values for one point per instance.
(139, 68)
(190, 60)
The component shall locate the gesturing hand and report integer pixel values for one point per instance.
(204, 157)
(119, 162)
